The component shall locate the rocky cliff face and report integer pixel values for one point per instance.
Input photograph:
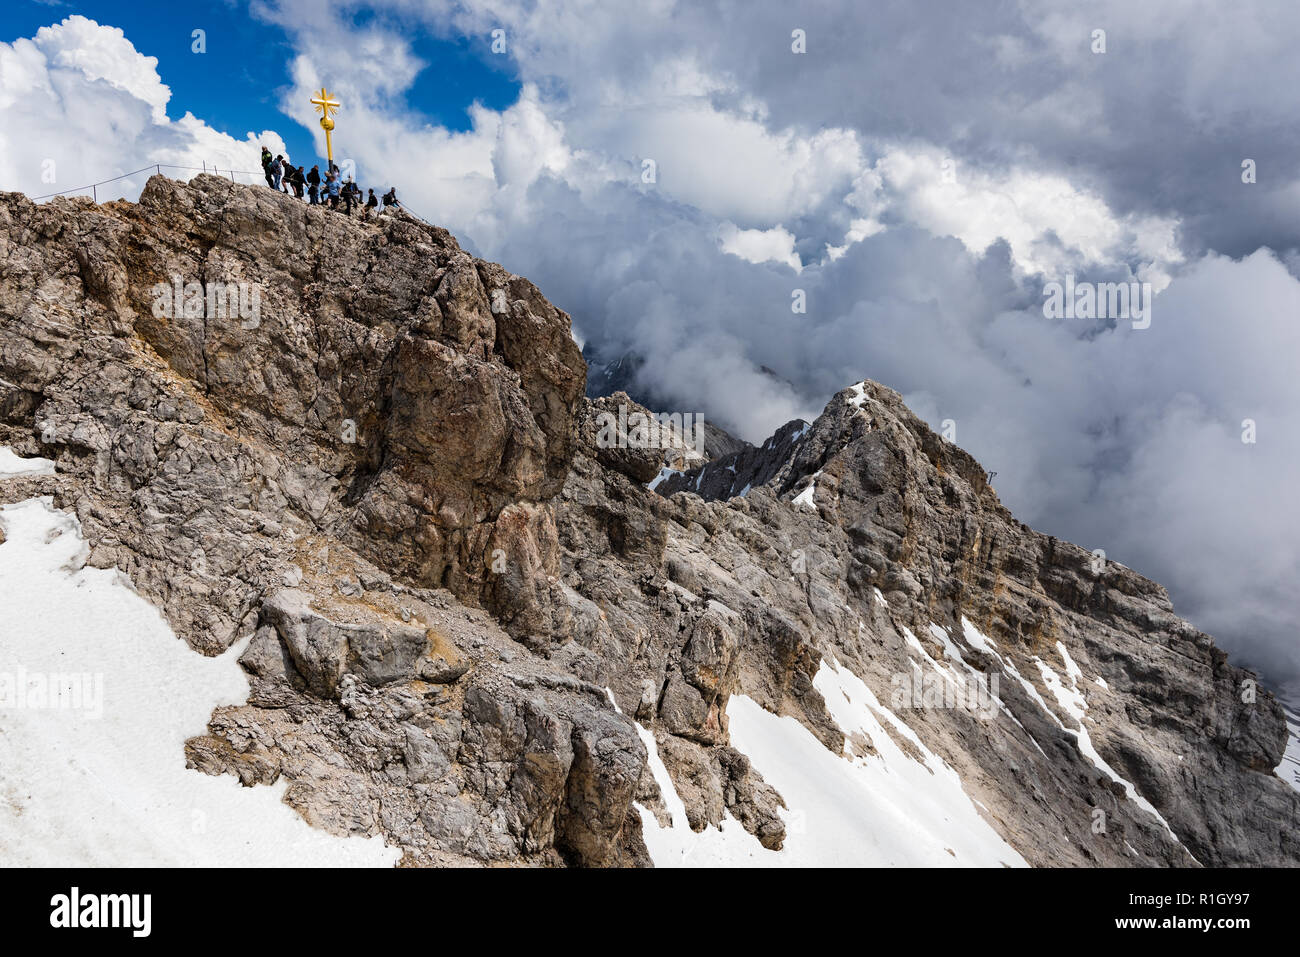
(473, 629)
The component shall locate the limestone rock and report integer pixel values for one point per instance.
(386, 476)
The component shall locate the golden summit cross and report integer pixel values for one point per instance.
(325, 104)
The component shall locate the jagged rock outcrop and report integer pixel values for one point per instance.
(470, 621)
(393, 390)
(871, 498)
(391, 419)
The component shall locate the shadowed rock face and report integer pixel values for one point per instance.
(736, 472)
(389, 481)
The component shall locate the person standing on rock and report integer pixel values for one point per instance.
(266, 166)
(313, 185)
(277, 172)
(348, 198)
(333, 189)
(371, 204)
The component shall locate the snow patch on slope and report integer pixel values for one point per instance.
(977, 639)
(664, 473)
(950, 674)
(805, 498)
(883, 808)
(1073, 702)
(1289, 769)
(80, 791)
(11, 466)
(677, 845)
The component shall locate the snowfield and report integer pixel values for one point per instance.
(677, 845)
(1289, 769)
(880, 809)
(101, 780)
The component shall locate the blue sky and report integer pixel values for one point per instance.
(236, 86)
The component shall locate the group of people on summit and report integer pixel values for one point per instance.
(330, 191)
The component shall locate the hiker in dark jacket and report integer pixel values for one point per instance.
(266, 166)
(390, 198)
(313, 185)
(371, 203)
(349, 197)
(298, 180)
(277, 172)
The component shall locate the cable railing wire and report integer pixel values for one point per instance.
(159, 167)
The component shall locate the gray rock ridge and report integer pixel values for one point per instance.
(345, 479)
(872, 498)
(394, 394)
(735, 473)
(441, 598)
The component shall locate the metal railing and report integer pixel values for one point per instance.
(159, 167)
(156, 167)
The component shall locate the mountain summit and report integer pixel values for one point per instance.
(475, 627)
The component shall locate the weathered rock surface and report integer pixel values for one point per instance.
(377, 396)
(329, 477)
(870, 498)
(390, 484)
